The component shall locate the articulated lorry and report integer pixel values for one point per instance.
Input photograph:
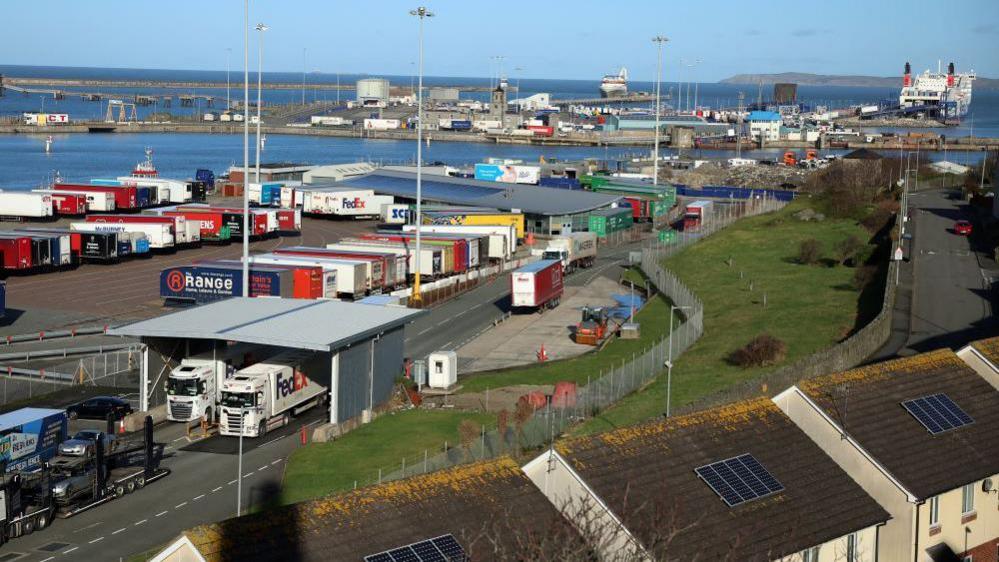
(578, 249)
(265, 396)
(68, 485)
(195, 386)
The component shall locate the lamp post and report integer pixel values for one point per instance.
(420, 13)
(658, 40)
(246, 147)
(228, 55)
(261, 28)
(239, 463)
(669, 360)
(696, 62)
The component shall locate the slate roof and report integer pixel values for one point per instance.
(495, 496)
(866, 402)
(645, 474)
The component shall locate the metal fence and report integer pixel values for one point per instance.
(602, 389)
(118, 369)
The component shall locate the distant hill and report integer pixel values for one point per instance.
(807, 79)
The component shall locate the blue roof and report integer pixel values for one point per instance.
(531, 199)
(536, 266)
(764, 116)
(25, 415)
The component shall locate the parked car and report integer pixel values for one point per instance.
(82, 444)
(100, 407)
(962, 228)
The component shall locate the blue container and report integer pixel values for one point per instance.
(461, 125)
(124, 248)
(206, 176)
(561, 183)
(270, 194)
(142, 196)
(142, 246)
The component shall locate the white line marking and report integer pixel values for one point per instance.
(180, 505)
(425, 331)
(216, 489)
(98, 539)
(137, 523)
(275, 461)
(161, 513)
(49, 558)
(181, 438)
(274, 440)
(70, 550)
(198, 498)
(231, 482)
(249, 474)
(118, 531)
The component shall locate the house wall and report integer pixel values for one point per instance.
(896, 538)
(836, 549)
(983, 523)
(567, 492)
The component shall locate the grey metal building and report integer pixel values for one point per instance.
(363, 343)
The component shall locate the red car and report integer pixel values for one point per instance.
(962, 228)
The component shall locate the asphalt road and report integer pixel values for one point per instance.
(952, 294)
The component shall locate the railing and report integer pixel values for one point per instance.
(118, 369)
(603, 389)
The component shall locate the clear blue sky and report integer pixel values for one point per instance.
(549, 39)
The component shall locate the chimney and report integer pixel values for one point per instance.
(907, 77)
(950, 74)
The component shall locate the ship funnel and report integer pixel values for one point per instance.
(950, 74)
(907, 77)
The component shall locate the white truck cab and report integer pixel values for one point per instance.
(194, 387)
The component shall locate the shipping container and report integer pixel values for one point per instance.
(391, 266)
(185, 233)
(97, 201)
(560, 183)
(69, 204)
(159, 235)
(309, 280)
(455, 249)
(541, 131)
(395, 214)
(167, 190)
(124, 196)
(289, 221)
(430, 258)
(536, 286)
(608, 221)
(233, 218)
(26, 204)
(265, 194)
(16, 252)
(476, 246)
(201, 283)
(501, 239)
(60, 245)
(349, 277)
(475, 218)
(211, 224)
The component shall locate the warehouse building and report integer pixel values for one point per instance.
(363, 343)
(547, 210)
(337, 172)
(764, 125)
(272, 171)
(372, 91)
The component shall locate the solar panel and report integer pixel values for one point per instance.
(739, 479)
(937, 413)
(440, 549)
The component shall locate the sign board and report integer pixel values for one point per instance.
(507, 173)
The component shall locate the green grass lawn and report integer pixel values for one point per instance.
(652, 318)
(324, 468)
(809, 307)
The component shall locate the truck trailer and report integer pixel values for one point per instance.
(159, 235)
(26, 204)
(695, 213)
(575, 250)
(29, 437)
(537, 286)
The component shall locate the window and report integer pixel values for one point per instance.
(968, 499)
(934, 511)
(967, 559)
(851, 548)
(810, 554)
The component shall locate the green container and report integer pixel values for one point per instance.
(667, 236)
(591, 181)
(609, 221)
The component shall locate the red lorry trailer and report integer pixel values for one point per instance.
(233, 218)
(124, 195)
(537, 286)
(211, 223)
(306, 280)
(69, 204)
(15, 252)
(384, 263)
(459, 246)
(695, 213)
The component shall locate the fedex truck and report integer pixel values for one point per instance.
(266, 395)
(194, 387)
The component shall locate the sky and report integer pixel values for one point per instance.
(579, 39)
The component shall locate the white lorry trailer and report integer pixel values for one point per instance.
(158, 234)
(194, 387)
(26, 204)
(266, 395)
(575, 250)
(502, 238)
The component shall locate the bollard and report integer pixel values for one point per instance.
(303, 436)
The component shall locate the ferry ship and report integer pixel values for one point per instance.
(145, 169)
(615, 85)
(950, 92)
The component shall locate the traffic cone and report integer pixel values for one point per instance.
(121, 426)
(542, 355)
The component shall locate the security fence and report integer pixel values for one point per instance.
(530, 430)
(117, 369)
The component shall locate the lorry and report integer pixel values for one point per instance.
(194, 387)
(68, 485)
(575, 250)
(266, 395)
(125, 197)
(536, 286)
(30, 437)
(90, 246)
(695, 213)
(26, 204)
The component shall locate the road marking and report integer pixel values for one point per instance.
(216, 489)
(98, 539)
(275, 461)
(160, 514)
(249, 474)
(273, 440)
(181, 438)
(425, 331)
(49, 558)
(137, 523)
(198, 498)
(231, 482)
(263, 467)
(118, 531)
(180, 505)
(70, 550)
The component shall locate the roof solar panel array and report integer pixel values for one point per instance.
(937, 413)
(739, 479)
(441, 549)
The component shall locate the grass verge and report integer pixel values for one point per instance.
(809, 307)
(324, 468)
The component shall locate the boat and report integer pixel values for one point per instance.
(946, 95)
(145, 169)
(615, 85)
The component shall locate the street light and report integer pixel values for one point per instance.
(696, 83)
(246, 148)
(421, 13)
(658, 40)
(239, 463)
(669, 362)
(228, 55)
(261, 28)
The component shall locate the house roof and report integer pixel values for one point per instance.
(764, 116)
(867, 404)
(320, 325)
(646, 475)
(493, 498)
(989, 348)
(532, 199)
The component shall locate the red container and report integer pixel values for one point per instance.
(308, 283)
(636, 207)
(541, 131)
(72, 204)
(16, 252)
(289, 220)
(211, 223)
(258, 219)
(124, 196)
(537, 285)
(328, 253)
